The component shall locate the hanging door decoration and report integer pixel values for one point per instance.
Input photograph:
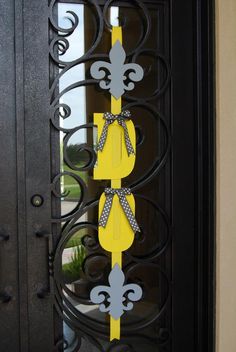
(116, 150)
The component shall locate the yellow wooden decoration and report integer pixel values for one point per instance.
(116, 35)
(118, 235)
(113, 162)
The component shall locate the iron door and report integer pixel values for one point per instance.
(50, 256)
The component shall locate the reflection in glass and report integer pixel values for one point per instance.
(84, 263)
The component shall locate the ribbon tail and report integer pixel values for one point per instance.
(103, 138)
(105, 212)
(129, 214)
(129, 147)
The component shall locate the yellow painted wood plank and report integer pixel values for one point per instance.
(116, 258)
(118, 235)
(114, 329)
(116, 183)
(113, 162)
(116, 35)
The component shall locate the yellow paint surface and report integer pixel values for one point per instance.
(118, 235)
(113, 162)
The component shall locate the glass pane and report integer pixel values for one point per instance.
(81, 264)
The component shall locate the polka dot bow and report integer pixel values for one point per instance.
(121, 193)
(109, 119)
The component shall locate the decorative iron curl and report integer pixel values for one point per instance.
(120, 347)
(89, 263)
(89, 325)
(126, 343)
(57, 48)
(64, 31)
(163, 335)
(89, 328)
(157, 251)
(58, 194)
(62, 44)
(146, 23)
(81, 148)
(155, 315)
(60, 111)
(158, 91)
(63, 345)
(158, 163)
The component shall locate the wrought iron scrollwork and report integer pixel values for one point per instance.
(96, 265)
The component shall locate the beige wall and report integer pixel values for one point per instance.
(226, 175)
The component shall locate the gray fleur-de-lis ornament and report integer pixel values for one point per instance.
(117, 303)
(121, 75)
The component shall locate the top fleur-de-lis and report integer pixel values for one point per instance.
(114, 295)
(119, 72)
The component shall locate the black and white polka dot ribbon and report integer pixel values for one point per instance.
(121, 193)
(109, 119)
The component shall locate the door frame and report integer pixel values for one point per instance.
(204, 46)
(207, 169)
(205, 175)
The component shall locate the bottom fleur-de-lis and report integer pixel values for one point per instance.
(116, 292)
